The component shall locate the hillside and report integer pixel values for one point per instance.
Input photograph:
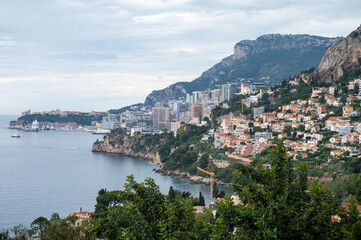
(344, 55)
(272, 56)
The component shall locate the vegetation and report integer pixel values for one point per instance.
(53, 229)
(81, 119)
(277, 203)
(124, 109)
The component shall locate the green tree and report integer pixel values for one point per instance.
(54, 217)
(204, 161)
(276, 204)
(201, 200)
(20, 232)
(215, 190)
(38, 226)
(143, 212)
(171, 194)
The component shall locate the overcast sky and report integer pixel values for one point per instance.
(101, 54)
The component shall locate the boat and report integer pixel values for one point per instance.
(16, 135)
(35, 126)
(101, 131)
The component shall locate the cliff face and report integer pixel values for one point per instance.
(346, 54)
(274, 56)
(120, 143)
(137, 146)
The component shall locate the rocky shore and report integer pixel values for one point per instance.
(186, 176)
(126, 149)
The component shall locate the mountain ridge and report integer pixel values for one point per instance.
(275, 56)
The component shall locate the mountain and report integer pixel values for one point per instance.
(270, 59)
(344, 55)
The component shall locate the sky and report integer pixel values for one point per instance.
(104, 54)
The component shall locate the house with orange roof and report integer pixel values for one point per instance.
(229, 141)
(346, 110)
(246, 150)
(312, 101)
(278, 127)
(330, 123)
(80, 217)
(200, 209)
(355, 138)
(295, 108)
(321, 109)
(269, 117)
(244, 137)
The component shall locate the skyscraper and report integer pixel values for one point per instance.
(160, 115)
(226, 92)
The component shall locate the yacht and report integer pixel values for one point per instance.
(16, 135)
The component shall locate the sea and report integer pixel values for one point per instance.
(52, 171)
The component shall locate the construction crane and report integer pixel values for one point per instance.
(212, 175)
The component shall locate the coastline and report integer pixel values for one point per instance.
(106, 147)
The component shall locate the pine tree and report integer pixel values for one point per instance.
(201, 200)
(215, 191)
(171, 194)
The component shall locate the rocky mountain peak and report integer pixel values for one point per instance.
(279, 42)
(345, 54)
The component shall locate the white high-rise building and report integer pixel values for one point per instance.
(226, 92)
(216, 95)
(188, 98)
(197, 96)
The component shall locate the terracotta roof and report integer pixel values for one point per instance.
(347, 205)
(200, 207)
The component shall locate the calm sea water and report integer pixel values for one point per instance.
(46, 172)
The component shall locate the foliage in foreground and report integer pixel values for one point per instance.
(276, 203)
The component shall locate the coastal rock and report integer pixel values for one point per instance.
(123, 144)
(186, 176)
(119, 142)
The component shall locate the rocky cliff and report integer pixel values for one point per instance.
(120, 143)
(274, 56)
(346, 54)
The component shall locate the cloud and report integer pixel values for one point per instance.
(120, 49)
(95, 84)
(7, 43)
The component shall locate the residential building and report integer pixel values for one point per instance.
(216, 95)
(257, 112)
(321, 109)
(197, 111)
(160, 115)
(245, 89)
(226, 92)
(111, 122)
(174, 126)
(346, 110)
(259, 135)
